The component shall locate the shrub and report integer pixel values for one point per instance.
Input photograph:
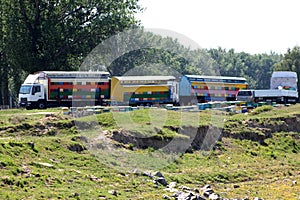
(261, 110)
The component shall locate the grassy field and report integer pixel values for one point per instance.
(48, 157)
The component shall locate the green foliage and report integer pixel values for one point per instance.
(244, 163)
(53, 170)
(143, 53)
(261, 109)
(106, 120)
(257, 69)
(131, 146)
(285, 143)
(55, 35)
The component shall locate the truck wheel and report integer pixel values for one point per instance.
(41, 105)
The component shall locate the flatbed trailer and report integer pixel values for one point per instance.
(278, 96)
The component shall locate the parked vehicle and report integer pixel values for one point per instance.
(64, 88)
(60, 88)
(202, 89)
(279, 96)
(283, 89)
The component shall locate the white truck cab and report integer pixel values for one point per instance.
(32, 93)
(245, 95)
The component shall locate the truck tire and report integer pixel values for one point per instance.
(41, 105)
(285, 100)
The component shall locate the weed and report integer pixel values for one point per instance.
(262, 109)
(131, 146)
(265, 169)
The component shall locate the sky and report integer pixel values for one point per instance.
(251, 26)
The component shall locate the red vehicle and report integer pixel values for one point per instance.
(64, 88)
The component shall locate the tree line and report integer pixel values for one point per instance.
(40, 35)
(54, 35)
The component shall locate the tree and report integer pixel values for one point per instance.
(57, 34)
(141, 52)
(290, 62)
(257, 69)
(4, 99)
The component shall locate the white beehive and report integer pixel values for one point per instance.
(286, 80)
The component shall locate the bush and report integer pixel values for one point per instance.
(262, 109)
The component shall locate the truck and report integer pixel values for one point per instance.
(64, 88)
(283, 89)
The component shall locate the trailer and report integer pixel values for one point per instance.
(278, 96)
(283, 89)
(64, 88)
(195, 89)
(144, 90)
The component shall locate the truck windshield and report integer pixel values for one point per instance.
(244, 93)
(25, 89)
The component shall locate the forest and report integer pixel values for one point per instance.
(40, 35)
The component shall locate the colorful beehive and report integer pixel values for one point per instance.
(143, 90)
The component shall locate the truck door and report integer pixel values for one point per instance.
(37, 93)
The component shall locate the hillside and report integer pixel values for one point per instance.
(150, 154)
